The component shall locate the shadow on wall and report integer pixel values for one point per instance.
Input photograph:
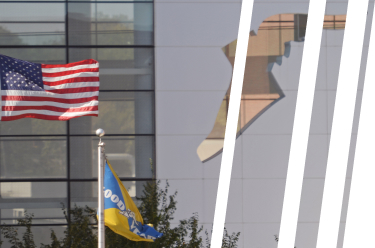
(260, 89)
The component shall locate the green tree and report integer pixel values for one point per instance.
(156, 206)
(11, 233)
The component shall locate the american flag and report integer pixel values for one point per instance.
(49, 92)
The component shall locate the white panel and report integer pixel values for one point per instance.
(188, 197)
(186, 112)
(235, 206)
(293, 65)
(211, 168)
(201, 1)
(317, 154)
(319, 114)
(192, 68)
(361, 216)
(232, 123)
(263, 199)
(342, 124)
(306, 234)
(196, 24)
(331, 104)
(335, 37)
(311, 200)
(266, 156)
(321, 77)
(368, 24)
(363, 68)
(179, 156)
(301, 127)
(260, 235)
(333, 66)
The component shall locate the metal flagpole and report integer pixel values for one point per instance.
(101, 161)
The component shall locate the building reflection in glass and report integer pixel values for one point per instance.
(260, 89)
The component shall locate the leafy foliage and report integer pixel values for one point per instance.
(80, 232)
(229, 241)
(156, 207)
(11, 233)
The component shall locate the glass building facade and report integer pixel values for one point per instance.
(45, 165)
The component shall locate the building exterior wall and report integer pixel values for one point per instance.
(192, 78)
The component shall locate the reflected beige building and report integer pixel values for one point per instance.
(260, 88)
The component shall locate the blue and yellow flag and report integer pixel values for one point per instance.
(120, 212)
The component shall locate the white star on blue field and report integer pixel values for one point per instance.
(20, 75)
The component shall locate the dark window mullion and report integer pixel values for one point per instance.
(72, 135)
(68, 122)
(41, 180)
(76, 46)
(28, 22)
(77, 1)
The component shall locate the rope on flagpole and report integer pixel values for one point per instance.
(101, 161)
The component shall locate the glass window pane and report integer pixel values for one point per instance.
(32, 12)
(43, 199)
(33, 157)
(86, 193)
(110, 23)
(129, 156)
(37, 55)
(34, 126)
(41, 234)
(120, 68)
(119, 113)
(29, 126)
(32, 33)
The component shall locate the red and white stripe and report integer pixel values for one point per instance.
(70, 91)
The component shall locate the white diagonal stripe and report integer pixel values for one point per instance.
(232, 121)
(359, 229)
(342, 124)
(301, 127)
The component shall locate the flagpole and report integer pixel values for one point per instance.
(101, 158)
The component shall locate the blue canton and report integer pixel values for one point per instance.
(17, 74)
